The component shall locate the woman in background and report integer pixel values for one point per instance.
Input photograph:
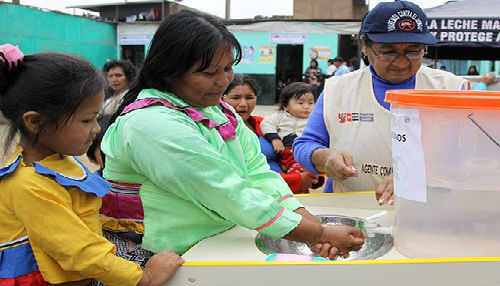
(242, 95)
(472, 71)
(120, 75)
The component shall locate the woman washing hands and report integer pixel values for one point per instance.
(202, 172)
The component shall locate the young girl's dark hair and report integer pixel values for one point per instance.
(51, 84)
(294, 90)
(243, 79)
(103, 121)
(182, 39)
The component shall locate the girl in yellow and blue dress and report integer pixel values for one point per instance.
(50, 231)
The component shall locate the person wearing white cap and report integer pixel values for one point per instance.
(348, 135)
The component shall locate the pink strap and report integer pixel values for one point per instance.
(226, 130)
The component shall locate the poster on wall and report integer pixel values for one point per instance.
(319, 53)
(248, 53)
(266, 54)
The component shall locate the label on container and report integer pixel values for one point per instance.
(408, 155)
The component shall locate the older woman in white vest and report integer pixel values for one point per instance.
(348, 135)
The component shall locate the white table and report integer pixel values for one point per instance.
(232, 259)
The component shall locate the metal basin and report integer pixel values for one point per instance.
(374, 247)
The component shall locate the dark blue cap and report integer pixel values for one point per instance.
(397, 22)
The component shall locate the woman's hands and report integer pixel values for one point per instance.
(488, 78)
(160, 268)
(385, 191)
(326, 240)
(339, 165)
(338, 240)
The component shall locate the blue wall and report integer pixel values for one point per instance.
(323, 40)
(256, 40)
(35, 31)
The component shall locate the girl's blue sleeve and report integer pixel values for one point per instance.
(315, 136)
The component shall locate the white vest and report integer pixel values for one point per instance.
(360, 126)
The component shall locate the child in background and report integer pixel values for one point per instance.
(242, 94)
(281, 128)
(49, 222)
(122, 214)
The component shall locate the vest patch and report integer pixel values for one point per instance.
(355, 116)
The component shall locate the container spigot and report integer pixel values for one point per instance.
(372, 228)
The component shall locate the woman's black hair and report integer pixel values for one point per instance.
(182, 39)
(363, 37)
(128, 68)
(243, 79)
(368, 44)
(475, 72)
(294, 90)
(313, 60)
(51, 84)
(103, 121)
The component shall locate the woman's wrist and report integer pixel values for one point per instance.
(145, 278)
(320, 237)
(309, 229)
(319, 157)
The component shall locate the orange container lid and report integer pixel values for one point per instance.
(461, 99)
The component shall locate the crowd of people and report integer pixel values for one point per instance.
(180, 155)
(336, 67)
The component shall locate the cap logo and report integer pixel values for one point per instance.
(404, 20)
(407, 25)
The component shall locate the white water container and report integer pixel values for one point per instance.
(460, 136)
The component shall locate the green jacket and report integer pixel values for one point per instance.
(195, 184)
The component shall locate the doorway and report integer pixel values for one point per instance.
(288, 66)
(133, 53)
(348, 49)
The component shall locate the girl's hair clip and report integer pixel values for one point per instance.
(11, 55)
